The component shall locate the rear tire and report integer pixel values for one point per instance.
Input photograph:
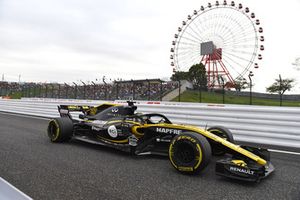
(60, 129)
(189, 153)
(216, 148)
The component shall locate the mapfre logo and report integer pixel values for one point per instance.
(168, 131)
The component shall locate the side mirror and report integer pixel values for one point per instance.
(81, 116)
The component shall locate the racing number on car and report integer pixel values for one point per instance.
(112, 131)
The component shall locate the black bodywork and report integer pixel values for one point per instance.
(111, 125)
(120, 127)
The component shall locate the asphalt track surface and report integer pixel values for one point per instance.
(77, 170)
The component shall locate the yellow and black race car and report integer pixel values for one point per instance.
(189, 148)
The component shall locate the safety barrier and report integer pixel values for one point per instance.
(264, 125)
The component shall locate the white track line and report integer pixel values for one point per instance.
(285, 152)
(26, 116)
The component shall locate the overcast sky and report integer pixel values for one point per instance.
(72, 40)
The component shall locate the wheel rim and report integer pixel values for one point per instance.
(52, 130)
(185, 153)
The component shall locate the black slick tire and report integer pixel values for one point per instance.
(189, 153)
(216, 148)
(60, 129)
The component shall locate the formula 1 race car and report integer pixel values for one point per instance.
(189, 148)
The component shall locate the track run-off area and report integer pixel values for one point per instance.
(76, 170)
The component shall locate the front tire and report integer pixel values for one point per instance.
(60, 129)
(189, 153)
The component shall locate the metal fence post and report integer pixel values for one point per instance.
(117, 92)
(161, 90)
(94, 90)
(75, 90)
(179, 89)
(52, 90)
(149, 90)
(133, 89)
(34, 91)
(46, 91)
(280, 92)
(67, 90)
(58, 93)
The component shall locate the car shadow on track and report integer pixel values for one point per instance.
(98, 147)
(208, 172)
(114, 151)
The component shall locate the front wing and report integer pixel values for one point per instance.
(251, 172)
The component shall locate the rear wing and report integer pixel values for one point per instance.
(64, 110)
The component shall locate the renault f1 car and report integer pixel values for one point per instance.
(189, 148)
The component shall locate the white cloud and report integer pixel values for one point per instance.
(67, 40)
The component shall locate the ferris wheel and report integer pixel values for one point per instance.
(226, 37)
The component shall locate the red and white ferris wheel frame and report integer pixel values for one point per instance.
(223, 24)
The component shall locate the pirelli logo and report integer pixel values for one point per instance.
(168, 131)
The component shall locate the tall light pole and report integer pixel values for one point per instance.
(223, 88)
(249, 76)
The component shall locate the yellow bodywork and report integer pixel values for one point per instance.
(209, 135)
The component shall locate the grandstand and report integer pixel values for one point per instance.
(146, 89)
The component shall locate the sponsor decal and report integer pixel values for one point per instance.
(132, 140)
(168, 131)
(162, 140)
(185, 169)
(99, 122)
(241, 170)
(97, 125)
(112, 131)
(95, 128)
(114, 110)
(183, 137)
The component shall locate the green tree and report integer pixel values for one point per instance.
(241, 84)
(197, 75)
(280, 86)
(179, 75)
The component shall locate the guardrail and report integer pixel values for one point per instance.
(264, 125)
